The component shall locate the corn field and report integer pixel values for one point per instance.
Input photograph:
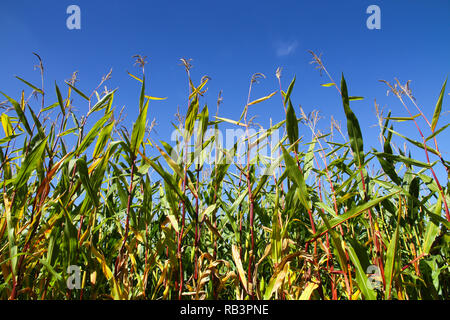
(322, 217)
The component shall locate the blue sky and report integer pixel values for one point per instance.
(229, 41)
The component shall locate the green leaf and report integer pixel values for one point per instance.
(7, 125)
(191, 116)
(50, 107)
(437, 132)
(203, 125)
(262, 99)
(70, 233)
(276, 237)
(230, 121)
(155, 98)
(37, 123)
(52, 271)
(137, 136)
(142, 97)
(386, 123)
(353, 129)
(177, 169)
(207, 211)
(402, 119)
(289, 91)
(309, 159)
(403, 159)
(52, 248)
(174, 212)
(10, 224)
(431, 184)
(337, 243)
(102, 140)
(196, 91)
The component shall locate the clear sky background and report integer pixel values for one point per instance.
(229, 41)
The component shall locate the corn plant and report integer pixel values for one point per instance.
(324, 217)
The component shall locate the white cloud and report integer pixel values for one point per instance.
(286, 48)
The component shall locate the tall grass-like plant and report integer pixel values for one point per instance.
(143, 219)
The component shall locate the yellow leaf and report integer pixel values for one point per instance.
(93, 277)
(177, 169)
(101, 259)
(279, 279)
(207, 211)
(173, 221)
(238, 263)
(197, 90)
(115, 290)
(134, 77)
(355, 296)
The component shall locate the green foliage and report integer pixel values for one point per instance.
(147, 220)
